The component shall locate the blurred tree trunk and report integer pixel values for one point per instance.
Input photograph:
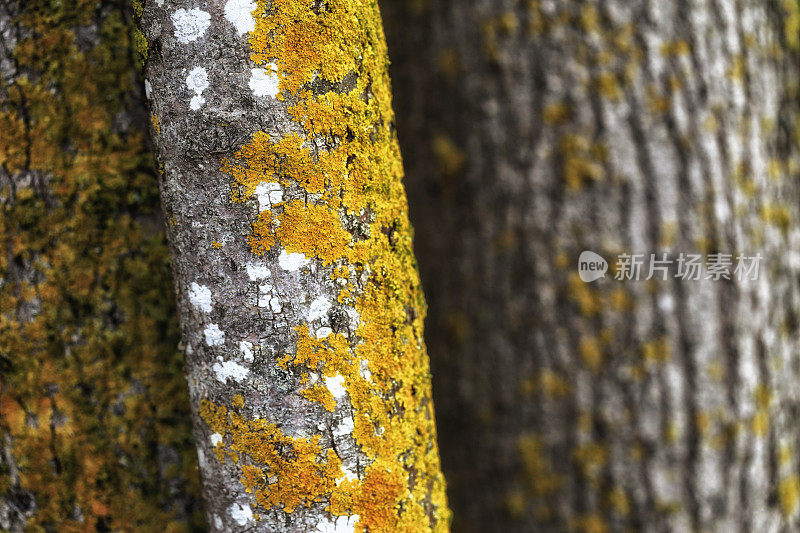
(299, 298)
(535, 130)
(94, 431)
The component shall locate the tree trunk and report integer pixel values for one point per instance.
(94, 432)
(551, 128)
(299, 299)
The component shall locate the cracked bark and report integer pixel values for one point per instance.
(551, 128)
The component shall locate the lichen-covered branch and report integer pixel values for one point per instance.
(299, 297)
(93, 407)
(647, 126)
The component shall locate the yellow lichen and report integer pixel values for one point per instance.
(351, 178)
(581, 161)
(320, 394)
(549, 383)
(542, 480)
(555, 113)
(789, 495)
(590, 524)
(263, 236)
(675, 48)
(591, 353)
(449, 157)
(656, 351)
(618, 501)
(777, 215)
(304, 474)
(608, 85)
(590, 458)
(313, 230)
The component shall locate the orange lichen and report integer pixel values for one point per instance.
(374, 499)
(303, 474)
(313, 230)
(263, 236)
(347, 163)
(320, 394)
(304, 42)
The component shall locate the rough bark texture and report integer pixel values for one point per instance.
(94, 425)
(550, 128)
(299, 298)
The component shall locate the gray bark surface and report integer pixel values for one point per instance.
(550, 128)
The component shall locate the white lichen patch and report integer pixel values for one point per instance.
(241, 514)
(240, 14)
(292, 261)
(275, 305)
(214, 335)
(190, 24)
(345, 427)
(201, 457)
(335, 385)
(263, 300)
(215, 439)
(349, 475)
(197, 82)
(247, 350)
(200, 297)
(148, 89)
(323, 332)
(319, 308)
(226, 370)
(257, 271)
(268, 194)
(364, 368)
(264, 82)
(338, 524)
(264, 295)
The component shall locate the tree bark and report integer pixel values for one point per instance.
(94, 432)
(550, 128)
(299, 299)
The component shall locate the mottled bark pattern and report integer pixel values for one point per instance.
(300, 302)
(94, 432)
(550, 128)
